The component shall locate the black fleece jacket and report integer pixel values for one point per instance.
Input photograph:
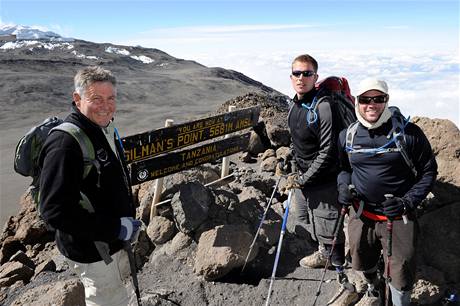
(315, 144)
(61, 182)
(387, 173)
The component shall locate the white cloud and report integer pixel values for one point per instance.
(421, 84)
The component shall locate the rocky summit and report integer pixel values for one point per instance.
(193, 251)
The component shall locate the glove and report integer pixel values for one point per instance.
(129, 228)
(345, 197)
(394, 207)
(293, 182)
(282, 167)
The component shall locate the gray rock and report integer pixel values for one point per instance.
(190, 206)
(255, 145)
(278, 134)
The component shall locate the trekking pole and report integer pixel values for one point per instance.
(260, 225)
(343, 212)
(132, 264)
(389, 252)
(280, 242)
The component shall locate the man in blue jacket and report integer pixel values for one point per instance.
(388, 186)
(93, 209)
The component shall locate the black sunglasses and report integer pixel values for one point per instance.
(306, 74)
(377, 99)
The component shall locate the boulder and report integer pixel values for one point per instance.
(222, 249)
(60, 293)
(190, 206)
(160, 229)
(12, 272)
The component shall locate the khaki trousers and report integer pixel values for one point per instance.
(106, 285)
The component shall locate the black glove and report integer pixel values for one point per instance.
(283, 167)
(394, 207)
(345, 197)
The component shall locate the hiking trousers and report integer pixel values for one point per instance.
(368, 238)
(315, 209)
(106, 284)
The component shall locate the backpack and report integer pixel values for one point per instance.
(26, 158)
(337, 91)
(396, 135)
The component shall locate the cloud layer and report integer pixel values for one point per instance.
(421, 84)
(421, 66)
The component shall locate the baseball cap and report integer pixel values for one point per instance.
(370, 84)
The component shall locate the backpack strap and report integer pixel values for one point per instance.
(86, 146)
(350, 136)
(397, 134)
(89, 160)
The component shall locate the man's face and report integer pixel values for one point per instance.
(303, 84)
(368, 108)
(98, 102)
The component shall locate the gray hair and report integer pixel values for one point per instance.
(89, 75)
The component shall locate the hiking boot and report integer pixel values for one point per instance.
(369, 301)
(315, 260)
(370, 298)
(346, 296)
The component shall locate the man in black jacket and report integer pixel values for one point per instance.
(389, 188)
(91, 209)
(314, 133)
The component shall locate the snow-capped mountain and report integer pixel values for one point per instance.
(26, 32)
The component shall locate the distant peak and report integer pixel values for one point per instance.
(30, 32)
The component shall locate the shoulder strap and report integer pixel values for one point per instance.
(86, 146)
(291, 106)
(350, 136)
(399, 123)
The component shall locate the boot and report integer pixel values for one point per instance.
(370, 298)
(315, 260)
(347, 294)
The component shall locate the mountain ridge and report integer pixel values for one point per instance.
(37, 82)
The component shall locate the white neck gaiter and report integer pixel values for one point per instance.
(384, 117)
(109, 132)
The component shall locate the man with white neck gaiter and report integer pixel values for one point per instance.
(384, 188)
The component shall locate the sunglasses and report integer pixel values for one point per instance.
(306, 74)
(377, 99)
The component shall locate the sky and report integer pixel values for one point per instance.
(413, 45)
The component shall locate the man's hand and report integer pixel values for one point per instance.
(394, 207)
(129, 228)
(345, 197)
(282, 168)
(293, 182)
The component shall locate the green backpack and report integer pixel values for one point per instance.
(30, 145)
